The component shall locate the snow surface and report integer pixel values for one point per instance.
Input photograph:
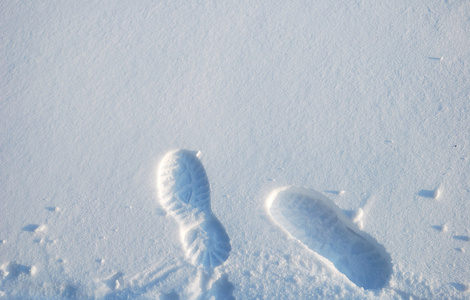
(367, 102)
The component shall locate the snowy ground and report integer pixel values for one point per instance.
(366, 102)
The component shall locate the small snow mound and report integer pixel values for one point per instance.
(358, 215)
(360, 224)
(117, 284)
(41, 228)
(33, 271)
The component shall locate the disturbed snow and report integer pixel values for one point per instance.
(363, 104)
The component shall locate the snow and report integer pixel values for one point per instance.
(364, 102)
(320, 225)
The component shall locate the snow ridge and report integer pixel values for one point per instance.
(318, 223)
(184, 191)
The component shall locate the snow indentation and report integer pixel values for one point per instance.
(184, 192)
(464, 238)
(318, 223)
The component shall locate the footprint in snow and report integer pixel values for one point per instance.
(184, 192)
(317, 222)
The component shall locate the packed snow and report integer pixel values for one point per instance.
(235, 150)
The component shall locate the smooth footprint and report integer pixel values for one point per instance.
(318, 223)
